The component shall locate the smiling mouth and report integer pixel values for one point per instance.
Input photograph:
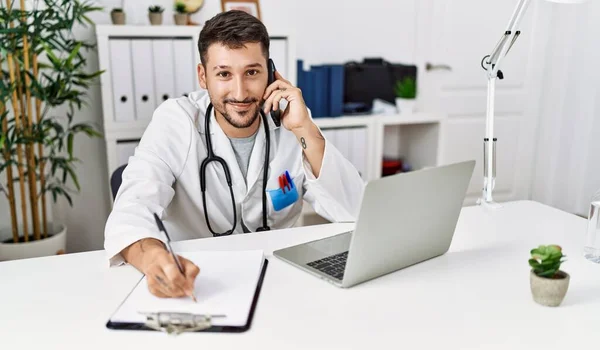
(241, 106)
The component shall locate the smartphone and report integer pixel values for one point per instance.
(275, 115)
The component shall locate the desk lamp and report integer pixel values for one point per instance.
(491, 64)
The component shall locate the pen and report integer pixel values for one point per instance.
(288, 180)
(281, 183)
(162, 228)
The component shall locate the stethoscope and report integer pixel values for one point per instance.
(211, 157)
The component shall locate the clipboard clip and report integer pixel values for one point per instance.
(178, 322)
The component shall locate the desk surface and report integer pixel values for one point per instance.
(475, 296)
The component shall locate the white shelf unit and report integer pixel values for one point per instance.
(415, 137)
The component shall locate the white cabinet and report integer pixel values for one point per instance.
(366, 141)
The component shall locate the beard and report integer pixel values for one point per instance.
(238, 119)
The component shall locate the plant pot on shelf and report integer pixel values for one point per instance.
(54, 244)
(156, 19)
(549, 291)
(117, 17)
(181, 19)
(405, 105)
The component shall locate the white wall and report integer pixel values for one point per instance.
(568, 151)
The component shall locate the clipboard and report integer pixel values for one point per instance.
(176, 321)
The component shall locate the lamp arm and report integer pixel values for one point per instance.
(507, 40)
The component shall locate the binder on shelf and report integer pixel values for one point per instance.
(185, 69)
(320, 83)
(306, 83)
(143, 81)
(164, 72)
(323, 89)
(336, 90)
(227, 291)
(122, 79)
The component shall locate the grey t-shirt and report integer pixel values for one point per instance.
(242, 148)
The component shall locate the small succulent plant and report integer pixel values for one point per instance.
(155, 9)
(546, 260)
(180, 7)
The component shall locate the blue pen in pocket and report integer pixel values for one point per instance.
(286, 194)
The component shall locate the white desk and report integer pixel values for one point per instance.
(474, 297)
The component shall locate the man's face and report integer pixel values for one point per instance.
(236, 80)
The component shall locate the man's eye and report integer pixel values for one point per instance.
(252, 72)
(223, 74)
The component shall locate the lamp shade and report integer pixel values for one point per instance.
(568, 1)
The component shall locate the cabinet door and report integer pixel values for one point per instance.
(122, 79)
(125, 149)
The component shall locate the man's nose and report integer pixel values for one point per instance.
(239, 89)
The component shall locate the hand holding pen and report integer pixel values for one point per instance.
(169, 275)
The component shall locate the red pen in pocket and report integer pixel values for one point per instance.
(282, 183)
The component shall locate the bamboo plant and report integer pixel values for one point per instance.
(44, 81)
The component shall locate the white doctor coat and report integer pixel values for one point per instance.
(163, 177)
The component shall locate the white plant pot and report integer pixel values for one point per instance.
(181, 19)
(405, 105)
(56, 243)
(549, 291)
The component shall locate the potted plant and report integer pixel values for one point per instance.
(548, 283)
(43, 83)
(406, 93)
(181, 14)
(155, 14)
(117, 16)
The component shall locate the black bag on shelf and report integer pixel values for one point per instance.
(373, 78)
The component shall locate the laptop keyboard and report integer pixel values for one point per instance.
(333, 265)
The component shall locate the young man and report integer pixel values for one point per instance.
(169, 170)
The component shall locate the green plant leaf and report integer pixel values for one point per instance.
(70, 145)
(74, 178)
(73, 53)
(534, 263)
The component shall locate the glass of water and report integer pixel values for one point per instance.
(591, 250)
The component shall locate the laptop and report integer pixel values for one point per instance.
(404, 219)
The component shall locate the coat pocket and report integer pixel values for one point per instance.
(281, 199)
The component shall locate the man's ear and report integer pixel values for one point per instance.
(202, 76)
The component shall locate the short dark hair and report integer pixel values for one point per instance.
(233, 29)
